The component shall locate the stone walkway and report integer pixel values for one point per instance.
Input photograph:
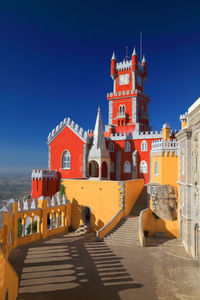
(68, 267)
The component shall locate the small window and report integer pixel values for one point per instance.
(144, 146)
(156, 166)
(127, 147)
(66, 160)
(127, 167)
(112, 167)
(143, 167)
(111, 147)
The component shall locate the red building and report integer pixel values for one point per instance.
(122, 152)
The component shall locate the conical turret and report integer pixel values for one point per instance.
(98, 149)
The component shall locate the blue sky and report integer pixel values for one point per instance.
(55, 63)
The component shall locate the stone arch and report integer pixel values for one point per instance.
(86, 215)
(93, 169)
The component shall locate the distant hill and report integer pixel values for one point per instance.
(14, 186)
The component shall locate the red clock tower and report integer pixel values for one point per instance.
(128, 105)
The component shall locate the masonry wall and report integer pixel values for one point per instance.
(67, 140)
(167, 169)
(104, 198)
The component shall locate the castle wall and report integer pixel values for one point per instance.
(104, 198)
(67, 140)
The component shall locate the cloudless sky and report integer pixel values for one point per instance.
(55, 63)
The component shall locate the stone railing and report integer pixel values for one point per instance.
(110, 225)
(161, 146)
(72, 125)
(136, 135)
(141, 233)
(23, 221)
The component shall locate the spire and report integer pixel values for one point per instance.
(134, 52)
(113, 56)
(143, 59)
(98, 148)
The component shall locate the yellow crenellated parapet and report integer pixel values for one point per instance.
(17, 216)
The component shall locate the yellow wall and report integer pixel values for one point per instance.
(153, 225)
(133, 188)
(8, 279)
(168, 170)
(104, 198)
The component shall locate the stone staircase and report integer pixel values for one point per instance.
(83, 229)
(126, 231)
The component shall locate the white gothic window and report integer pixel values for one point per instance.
(143, 167)
(127, 147)
(112, 167)
(156, 166)
(111, 147)
(66, 160)
(127, 167)
(144, 146)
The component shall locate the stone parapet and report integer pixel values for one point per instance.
(72, 125)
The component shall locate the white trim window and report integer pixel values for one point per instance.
(111, 147)
(143, 167)
(127, 147)
(156, 168)
(144, 146)
(66, 160)
(112, 167)
(127, 167)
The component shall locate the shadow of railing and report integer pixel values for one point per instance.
(72, 267)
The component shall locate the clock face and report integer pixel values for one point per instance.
(123, 79)
(139, 80)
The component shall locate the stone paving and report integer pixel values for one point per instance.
(68, 267)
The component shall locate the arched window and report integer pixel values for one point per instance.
(144, 146)
(124, 108)
(120, 108)
(111, 147)
(127, 147)
(156, 170)
(127, 167)
(66, 160)
(143, 167)
(112, 167)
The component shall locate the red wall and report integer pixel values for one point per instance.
(142, 155)
(44, 187)
(67, 140)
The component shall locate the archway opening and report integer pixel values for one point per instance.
(104, 169)
(86, 215)
(93, 169)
